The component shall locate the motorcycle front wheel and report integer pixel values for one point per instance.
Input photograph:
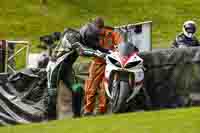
(120, 92)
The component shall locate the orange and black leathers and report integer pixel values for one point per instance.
(108, 40)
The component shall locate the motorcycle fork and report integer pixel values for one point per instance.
(115, 83)
(131, 80)
(116, 76)
(116, 79)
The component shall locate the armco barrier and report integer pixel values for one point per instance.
(169, 72)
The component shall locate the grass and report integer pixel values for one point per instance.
(173, 121)
(28, 19)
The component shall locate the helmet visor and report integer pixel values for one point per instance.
(190, 28)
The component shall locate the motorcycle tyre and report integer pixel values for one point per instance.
(120, 94)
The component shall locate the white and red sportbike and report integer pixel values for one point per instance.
(124, 76)
(124, 79)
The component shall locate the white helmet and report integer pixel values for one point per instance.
(189, 28)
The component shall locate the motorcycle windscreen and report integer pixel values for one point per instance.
(125, 49)
(139, 34)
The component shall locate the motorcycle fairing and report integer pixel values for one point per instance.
(112, 64)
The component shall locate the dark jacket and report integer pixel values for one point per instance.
(181, 39)
(91, 37)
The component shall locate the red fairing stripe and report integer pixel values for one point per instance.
(125, 59)
(134, 53)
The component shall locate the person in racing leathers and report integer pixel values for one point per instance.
(104, 41)
(187, 38)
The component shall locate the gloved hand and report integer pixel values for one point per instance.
(77, 88)
(110, 51)
(100, 54)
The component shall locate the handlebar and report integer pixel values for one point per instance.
(84, 51)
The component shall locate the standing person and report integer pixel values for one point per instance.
(187, 38)
(104, 40)
(64, 94)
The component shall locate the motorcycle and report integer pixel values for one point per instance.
(124, 79)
